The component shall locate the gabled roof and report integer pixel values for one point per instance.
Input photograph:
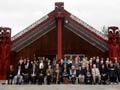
(48, 22)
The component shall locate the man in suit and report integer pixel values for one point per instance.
(41, 72)
(88, 75)
(40, 76)
(104, 74)
(96, 74)
(73, 74)
(26, 75)
(18, 78)
(26, 70)
(112, 73)
(33, 73)
(65, 74)
(49, 73)
(82, 71)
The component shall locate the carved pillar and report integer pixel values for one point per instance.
(59, 8)
(113, 42)
(59, 34)
(5, 42)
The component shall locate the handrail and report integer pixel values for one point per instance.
(89, 27)
(29, 27)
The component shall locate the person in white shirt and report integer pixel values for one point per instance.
(41, 65)
(96, 74)
(73, 74)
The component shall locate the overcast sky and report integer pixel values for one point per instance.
(18, 14)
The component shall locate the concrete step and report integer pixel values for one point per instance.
(60, 87)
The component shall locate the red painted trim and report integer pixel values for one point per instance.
(59, 42)
(51, 15)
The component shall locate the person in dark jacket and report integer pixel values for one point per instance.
(112, 73)
(117, 67)
(18, 78)
(40, 76)
(26, 75)
(10, 74)
(104, 74)
(65, 74)
(33, 74)
(88, 75)
(49, 73)
(82, 71)
(73, 74)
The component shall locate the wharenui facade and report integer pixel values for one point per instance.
(57, 34)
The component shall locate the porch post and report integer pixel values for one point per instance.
(59, 39)
(5, 43)
(113, 42)
(59, 14)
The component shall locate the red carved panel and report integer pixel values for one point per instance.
(5, 42)
(113, 35)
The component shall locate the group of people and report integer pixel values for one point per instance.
(70, 70)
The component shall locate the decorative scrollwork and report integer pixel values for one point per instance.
(114, 44)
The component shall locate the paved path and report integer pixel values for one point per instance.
(60, 87)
